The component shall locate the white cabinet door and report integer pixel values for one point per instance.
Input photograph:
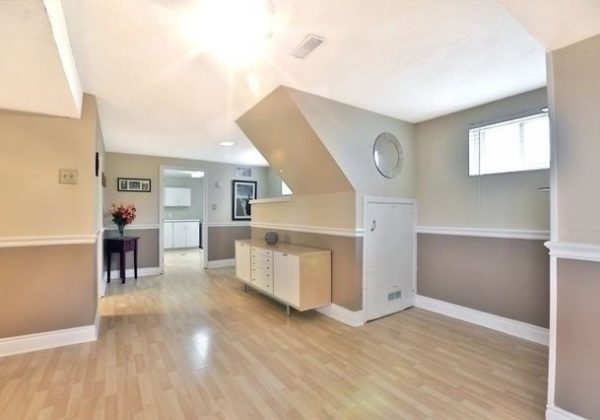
(179, 235)
(167, 235)
(177, 197)
(242, 261)
(286, 277)
(192, 235)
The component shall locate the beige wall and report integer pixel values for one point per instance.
(578, 338)
(138, 166)
(46, 288)
(576, 107)
(324, 210)
(506, 277)
(32, 150)
(279, 130)
(448, 196)
(577, 129)
(348, 133)
(52, 287)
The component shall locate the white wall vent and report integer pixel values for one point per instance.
(307, 46)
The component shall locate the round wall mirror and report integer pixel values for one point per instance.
(388, 155)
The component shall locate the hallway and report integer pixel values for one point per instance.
(191, 344)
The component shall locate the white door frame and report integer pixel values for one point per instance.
(385, 200)
(161, 217)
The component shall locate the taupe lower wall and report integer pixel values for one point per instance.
(505, 277)
(221, 241)
(46, 288)
(346, 264)
(148, 249)
(578, 338)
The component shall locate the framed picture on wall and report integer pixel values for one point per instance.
(241, 194)
(134, 184)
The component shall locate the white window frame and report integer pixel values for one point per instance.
(474, 144)
(285, 188)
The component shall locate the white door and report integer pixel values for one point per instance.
(286, 277)
(389, 258)
(192, 235)
(179, 234)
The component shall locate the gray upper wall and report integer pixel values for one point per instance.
(348, 133)
(448, 196)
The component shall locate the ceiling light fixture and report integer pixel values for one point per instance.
(197, 174)
(233, 30)
(227, 143)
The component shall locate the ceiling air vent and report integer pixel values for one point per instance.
(307, 46)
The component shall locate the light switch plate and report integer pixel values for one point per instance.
(213, 206)
(68, 176)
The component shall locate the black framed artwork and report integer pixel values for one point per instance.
(134, 184)
(241, 194)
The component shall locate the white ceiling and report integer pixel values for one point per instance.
(410, 59)
(37, 72)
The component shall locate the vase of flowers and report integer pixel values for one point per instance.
(122, 216)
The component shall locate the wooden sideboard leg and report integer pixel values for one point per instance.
(245, 288)
(287, 310)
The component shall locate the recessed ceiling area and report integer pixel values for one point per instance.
(162, 90)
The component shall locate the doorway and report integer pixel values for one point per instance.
(183, 210)
(388, 256)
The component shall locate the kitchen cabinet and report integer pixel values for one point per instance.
(181, 234)
(297, 276)
(178, 197)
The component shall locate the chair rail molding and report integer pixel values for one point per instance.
(47, 240)
(574, 250)
(501, 233)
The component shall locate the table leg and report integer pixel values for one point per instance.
(122, 265)
(108, 267)
(135, 261)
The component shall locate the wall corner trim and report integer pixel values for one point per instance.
(319, 230)
(46, 240)
(540, 235)
(506, 325)
(48, 340)
(555, 413)
(574, 250)
(343, 315)
(230, 262)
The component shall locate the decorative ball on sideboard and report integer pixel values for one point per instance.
(271, 238)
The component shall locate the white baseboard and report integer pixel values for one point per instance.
(555, 413)
(346, 316)
(221, 263)
(129, 273)
(47, 340)
(506, 325)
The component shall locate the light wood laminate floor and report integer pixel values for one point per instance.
(190, 344)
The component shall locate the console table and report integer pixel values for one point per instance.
(121, 245)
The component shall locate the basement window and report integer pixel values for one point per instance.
(285, 190)
(519, 144)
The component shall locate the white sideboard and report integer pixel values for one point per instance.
(297, 276)
(181, 234)
(178, 197)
